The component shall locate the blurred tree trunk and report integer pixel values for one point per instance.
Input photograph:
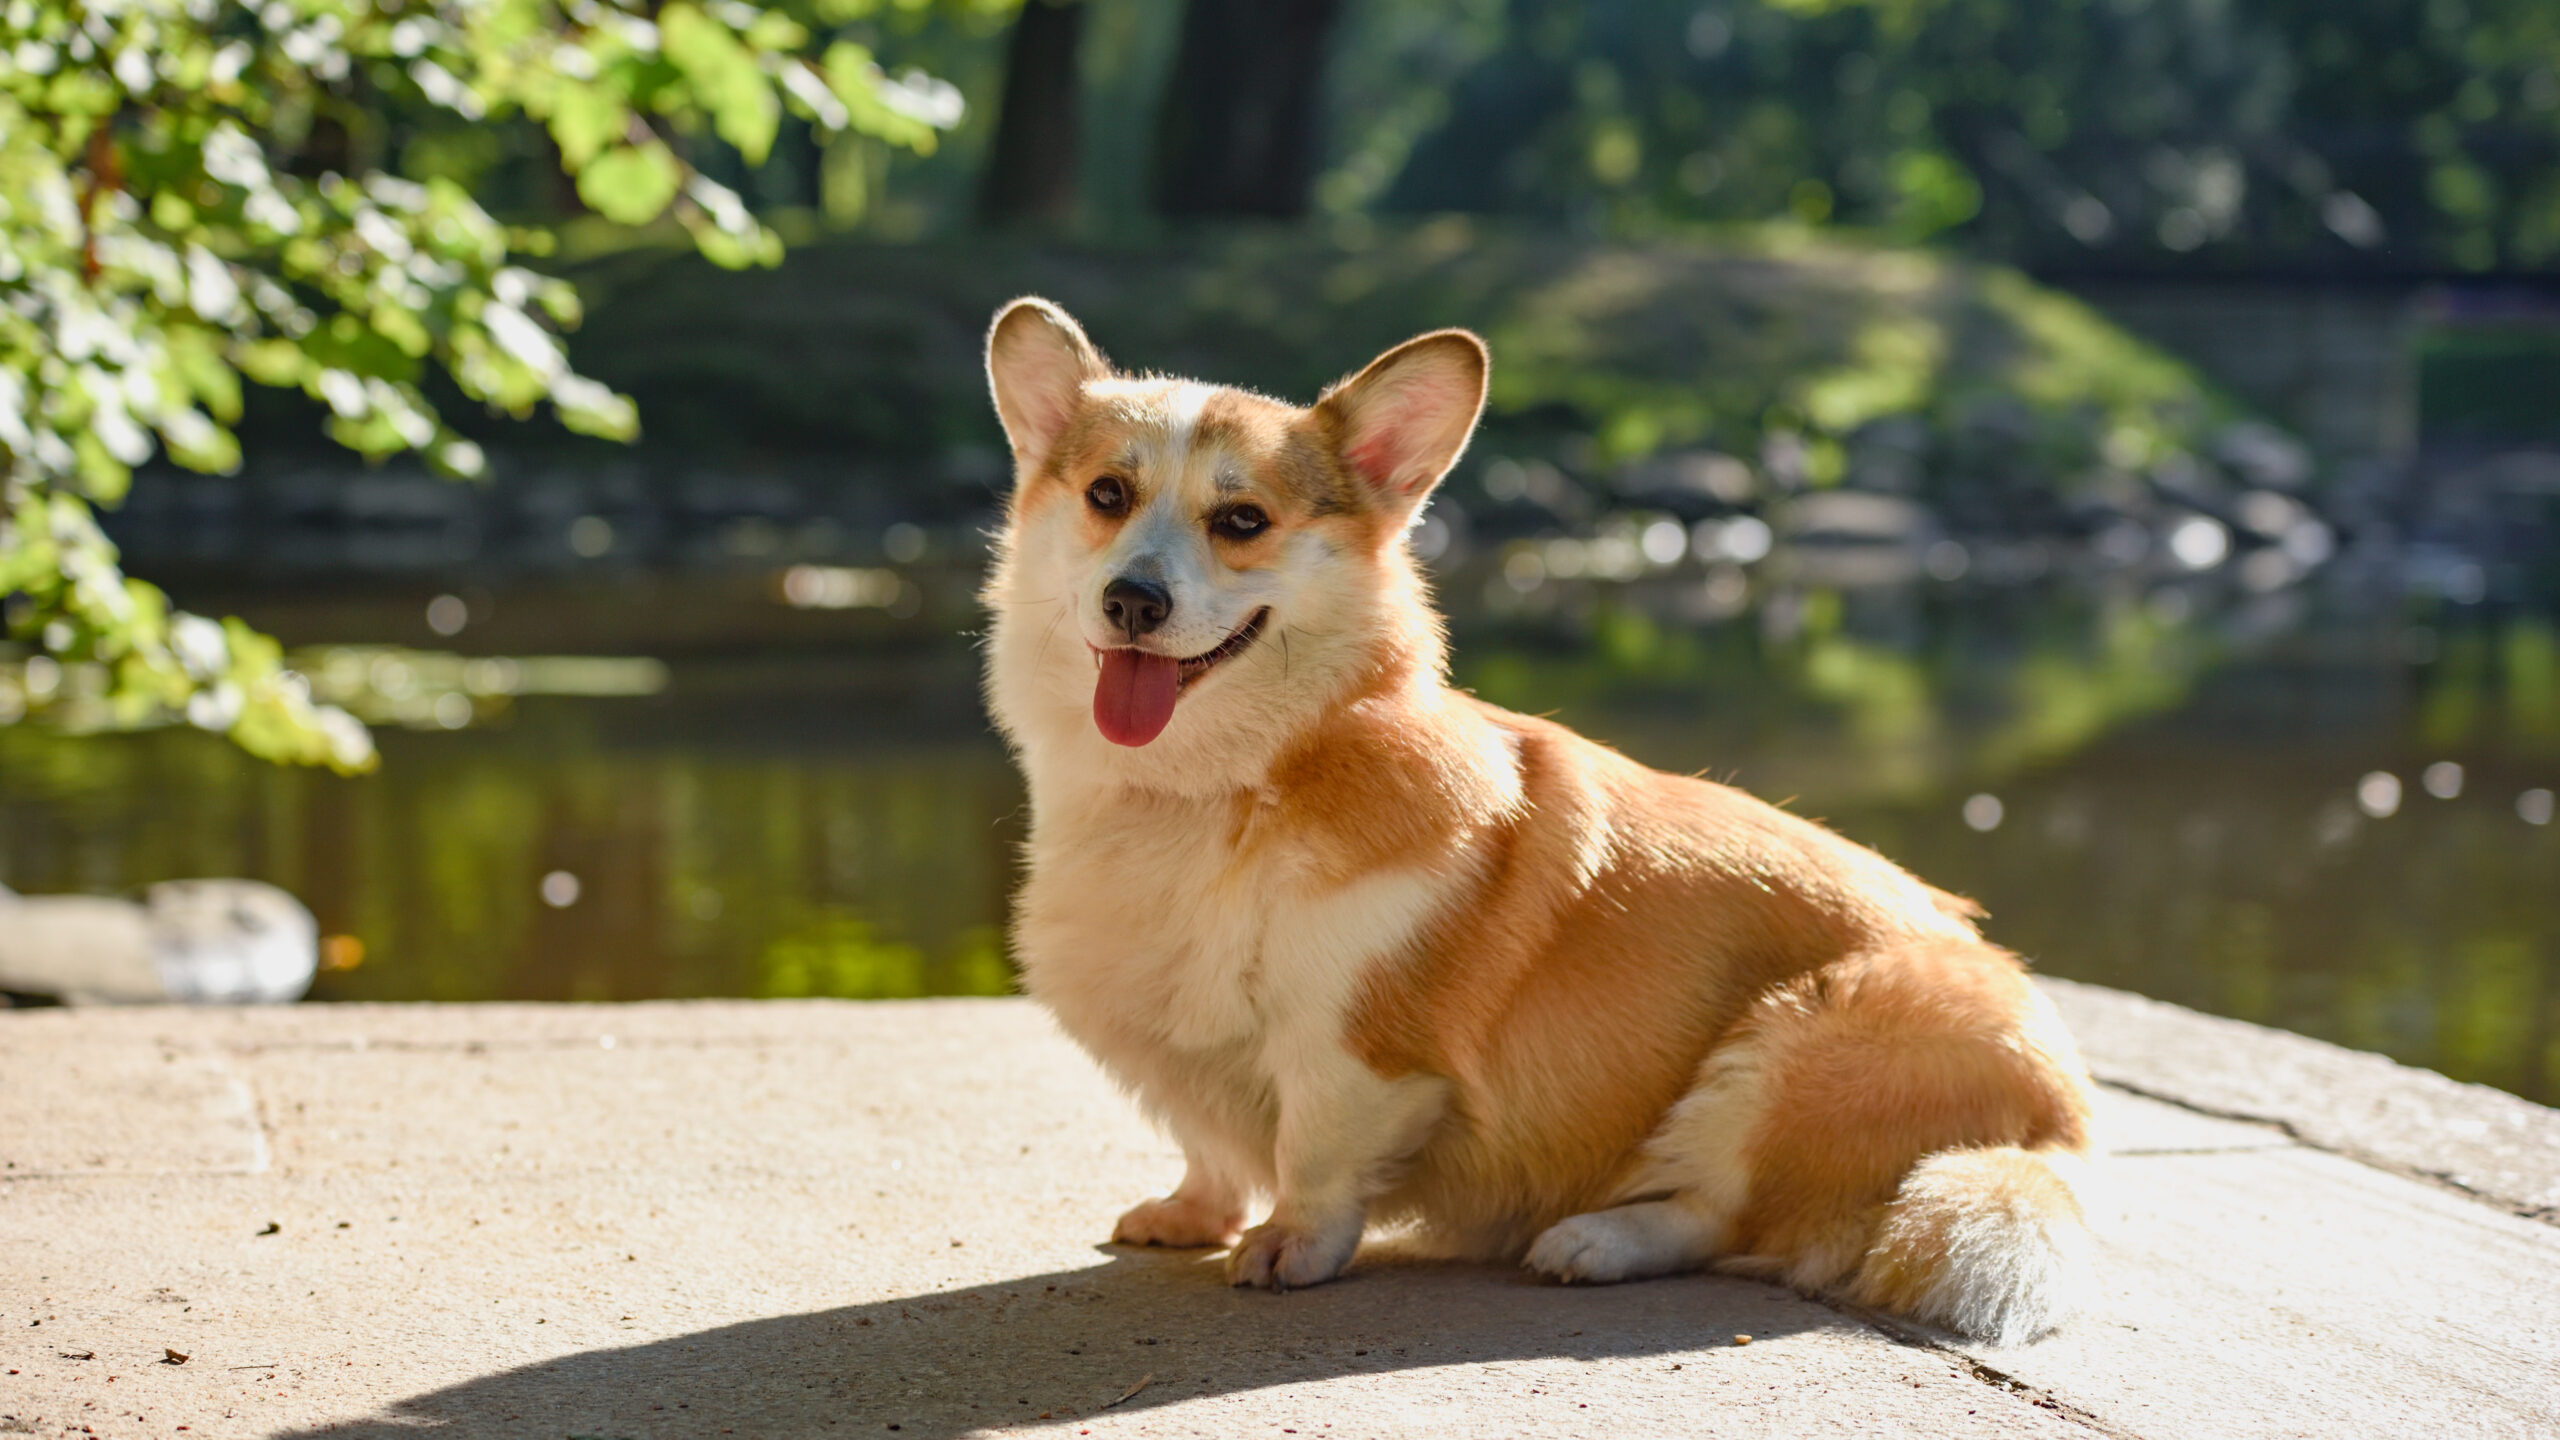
(1236, 134)
(1031, 175)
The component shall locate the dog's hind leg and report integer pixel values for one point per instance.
(1629, 1242)
(1902, 1128)
(1702, 1190)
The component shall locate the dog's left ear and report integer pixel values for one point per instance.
(1402, 422)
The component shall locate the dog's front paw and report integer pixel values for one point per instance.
(1179, 1222)
(1278, 1257)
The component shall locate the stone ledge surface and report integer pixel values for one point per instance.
(2497, 1146)
(819, 1218)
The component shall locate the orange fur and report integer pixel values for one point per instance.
(1386, 951)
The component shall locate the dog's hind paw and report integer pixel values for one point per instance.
(1628, 1243)
(1585, 1249)
(1179, 1222)
(1271, 1257)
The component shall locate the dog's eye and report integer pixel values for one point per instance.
(1108, 495)
(1243, 522)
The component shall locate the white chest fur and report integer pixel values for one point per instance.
(1214, 984)
(1141, 918)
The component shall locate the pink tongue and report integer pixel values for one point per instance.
(1133, 699)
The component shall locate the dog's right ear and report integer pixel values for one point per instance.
(1038, 361)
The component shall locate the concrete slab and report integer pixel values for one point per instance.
(2485, 1141)
(171, 1108)
(2288, 1291)
(814, 1218)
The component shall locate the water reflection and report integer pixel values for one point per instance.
(2304, 805)
(562, 852)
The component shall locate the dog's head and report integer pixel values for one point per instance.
(1190, 572)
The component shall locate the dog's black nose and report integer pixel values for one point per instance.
(1135, 606)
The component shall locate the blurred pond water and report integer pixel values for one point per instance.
(2319, 803)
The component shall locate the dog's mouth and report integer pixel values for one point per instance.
(1227, 649)
(1134, 693)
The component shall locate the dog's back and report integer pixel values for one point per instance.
(1815, 1024)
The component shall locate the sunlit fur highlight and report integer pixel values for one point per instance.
(1374, 951)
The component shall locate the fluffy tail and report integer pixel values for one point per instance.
(1988, 1242)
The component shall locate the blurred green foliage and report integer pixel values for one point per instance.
(2345, 135)
(2126, 133)
(195, 192)
(1816, 358)
(2320, 135)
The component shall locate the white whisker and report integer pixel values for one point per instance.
(1054, 622)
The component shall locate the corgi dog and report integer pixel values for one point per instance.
(1378, 953)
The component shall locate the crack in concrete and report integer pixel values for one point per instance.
(1906, 1333)
(2545, 1214)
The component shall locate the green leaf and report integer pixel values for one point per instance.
(855, 77)
(775, 30)
(631, 184)
(738, 252)
(592, 409)
(1932, 193)
(725, 78)
(585, 119)
(734, 246)
(273, 362)
(197, 357)
(211, 451)
(103, 477)
(403, 329)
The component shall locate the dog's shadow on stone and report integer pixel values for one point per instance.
(1068, 1345)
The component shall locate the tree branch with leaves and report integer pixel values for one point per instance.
(155, 248)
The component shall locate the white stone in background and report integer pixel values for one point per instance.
(231, 942)
(215, 942)
(81, 949)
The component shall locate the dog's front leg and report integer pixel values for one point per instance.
(1204, 1211)
(1344, 1130)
